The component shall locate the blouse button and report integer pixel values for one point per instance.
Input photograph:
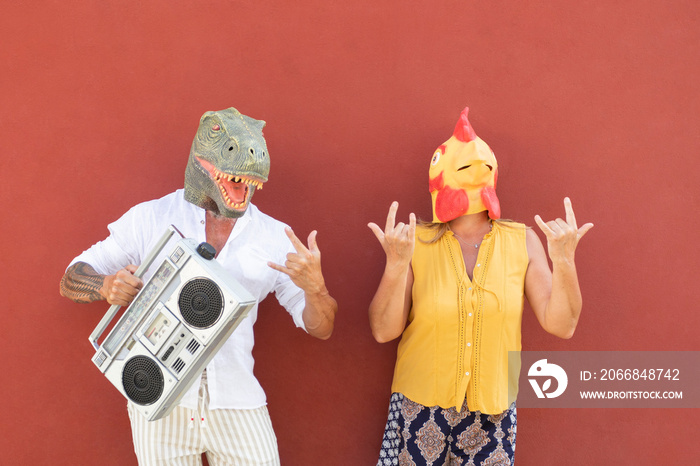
(467, 373)
(469, 344)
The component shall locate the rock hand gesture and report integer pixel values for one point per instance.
(389, 309)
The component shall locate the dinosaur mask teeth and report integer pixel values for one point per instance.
(221, 177)
(240, 194)
(235, 190)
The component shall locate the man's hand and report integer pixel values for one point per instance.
(122, 287)
(304, 265)
(304, 268)
(82, 284)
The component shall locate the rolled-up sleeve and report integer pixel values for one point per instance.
(106, 257)
(290, 296)
(122, 247)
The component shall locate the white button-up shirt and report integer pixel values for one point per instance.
(256, 239)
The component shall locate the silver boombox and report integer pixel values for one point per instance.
(172, 329)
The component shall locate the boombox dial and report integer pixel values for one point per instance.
(206, 250)
(201, 303)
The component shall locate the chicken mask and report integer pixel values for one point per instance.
(463, 173)
(228, 162)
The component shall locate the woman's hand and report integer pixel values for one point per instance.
(563, 235)
(388, 311)
(554, 295)
(397, 240)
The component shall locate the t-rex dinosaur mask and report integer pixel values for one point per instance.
(463, 173)
(228, 162)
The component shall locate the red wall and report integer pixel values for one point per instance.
(597, 100)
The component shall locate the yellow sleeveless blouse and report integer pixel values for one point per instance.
(459, 331)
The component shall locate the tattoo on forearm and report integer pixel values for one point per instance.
(82, 284)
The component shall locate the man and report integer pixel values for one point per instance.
(225, 413)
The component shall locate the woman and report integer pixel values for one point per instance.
(453, 290)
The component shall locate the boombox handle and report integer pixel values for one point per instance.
(104, 323)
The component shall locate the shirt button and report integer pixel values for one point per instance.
(470, 314)
(470, 288)
(467, 373)
(478, 265)
(469, 344)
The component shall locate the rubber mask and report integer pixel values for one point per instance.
(462, 176)
(228, 162)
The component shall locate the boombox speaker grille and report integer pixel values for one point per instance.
(201, 303)
(142, 380)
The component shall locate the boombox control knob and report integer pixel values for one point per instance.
(206, 250)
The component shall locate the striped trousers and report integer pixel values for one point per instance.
(229, 437)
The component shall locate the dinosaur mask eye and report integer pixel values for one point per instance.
(436, 158)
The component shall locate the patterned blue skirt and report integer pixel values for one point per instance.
(433, 436)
